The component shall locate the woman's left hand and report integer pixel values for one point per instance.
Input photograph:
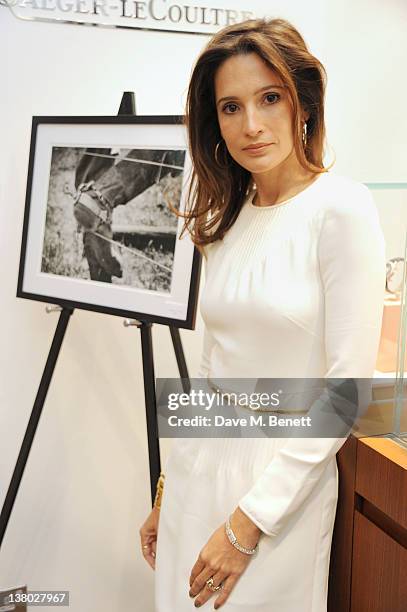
(222, 561)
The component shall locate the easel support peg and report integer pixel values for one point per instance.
(52, 308)
(131, 322)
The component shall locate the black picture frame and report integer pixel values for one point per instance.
(55, 138)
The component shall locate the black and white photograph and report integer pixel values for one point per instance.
(102, 202)
(101, 219)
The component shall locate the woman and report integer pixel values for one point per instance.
(295, 273)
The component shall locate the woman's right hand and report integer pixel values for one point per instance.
(148, 535)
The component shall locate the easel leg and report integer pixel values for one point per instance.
(180, 357)
(34, 419)
(151, 405)
(150, 394)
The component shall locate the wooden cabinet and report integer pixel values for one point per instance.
(379, 564)
(368, 571)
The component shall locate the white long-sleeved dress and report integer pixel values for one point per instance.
(294, 290)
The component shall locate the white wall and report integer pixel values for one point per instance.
(85, 491)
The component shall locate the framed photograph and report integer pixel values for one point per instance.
(99, 232)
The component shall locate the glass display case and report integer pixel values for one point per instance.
(400, 396)
(390, 400)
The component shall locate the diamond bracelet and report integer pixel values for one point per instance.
(233, 540)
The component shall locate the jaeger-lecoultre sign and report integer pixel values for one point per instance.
(163, 15)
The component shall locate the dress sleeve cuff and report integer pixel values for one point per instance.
(245, 507)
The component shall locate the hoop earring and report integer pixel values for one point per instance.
(216, 155)
(304, 134)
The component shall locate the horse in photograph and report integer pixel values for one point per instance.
(104, 180)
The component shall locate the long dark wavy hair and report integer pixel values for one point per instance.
(217, 192)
